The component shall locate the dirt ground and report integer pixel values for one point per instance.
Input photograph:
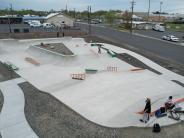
(1, 101)
(170, 65)
(31, 35)
(178, 82)
(50, 118)
(1, 104)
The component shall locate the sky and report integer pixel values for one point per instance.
(172, 6)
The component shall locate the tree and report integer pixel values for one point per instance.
(127, 19)
(109, 17)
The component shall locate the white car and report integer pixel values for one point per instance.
(34, 23)
(170, 38)
(47, 25)
(159, 27)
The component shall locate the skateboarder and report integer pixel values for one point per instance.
(147, 111)
(99, 49)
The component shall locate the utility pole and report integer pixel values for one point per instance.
(148, 11)
(9, 21)
(74, 13)
(89, 19)
(132, 7)
(11, 9)
(160, 9)
(66, 10)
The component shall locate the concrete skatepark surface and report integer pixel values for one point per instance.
(12, 119)
(106, 98)
(58, 120)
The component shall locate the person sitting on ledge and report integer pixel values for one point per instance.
(169, 105)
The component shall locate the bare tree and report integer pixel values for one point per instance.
(127, 19)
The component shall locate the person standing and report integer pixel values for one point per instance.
(147, 111)
(99, 49)
(58, 34)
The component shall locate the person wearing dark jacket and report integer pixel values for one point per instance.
(147, 111)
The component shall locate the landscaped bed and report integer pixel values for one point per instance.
(57, 48)
(6, 73)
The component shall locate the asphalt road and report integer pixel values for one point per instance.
(163, 49)
(159, 35)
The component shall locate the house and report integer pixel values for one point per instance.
(152, 17)
(58, 19)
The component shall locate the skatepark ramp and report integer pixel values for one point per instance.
(45, 56)
(32, 61)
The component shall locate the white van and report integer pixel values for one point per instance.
(159, 27)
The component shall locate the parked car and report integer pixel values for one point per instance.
(34, 23)
(159, 27)
(47, 25)
(170, 38)
(96, 21)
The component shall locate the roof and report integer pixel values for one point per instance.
(33, 18)
(141, 14)
(136, 17)
(10, 17)
(51, 15)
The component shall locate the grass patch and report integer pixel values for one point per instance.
(121, 27)
(175, 27)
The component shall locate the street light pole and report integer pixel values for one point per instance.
(74, 13)
(89, 19)
(11, 9)
(160, 10)
(132, 7)
(9, 21)
(148, 11)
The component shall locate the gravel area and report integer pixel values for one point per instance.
(50, 118)
(1, 105)
(168, 64)
(178, 82)
(56, 47)
(1, 100)
(6, 73)
(135, 62)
